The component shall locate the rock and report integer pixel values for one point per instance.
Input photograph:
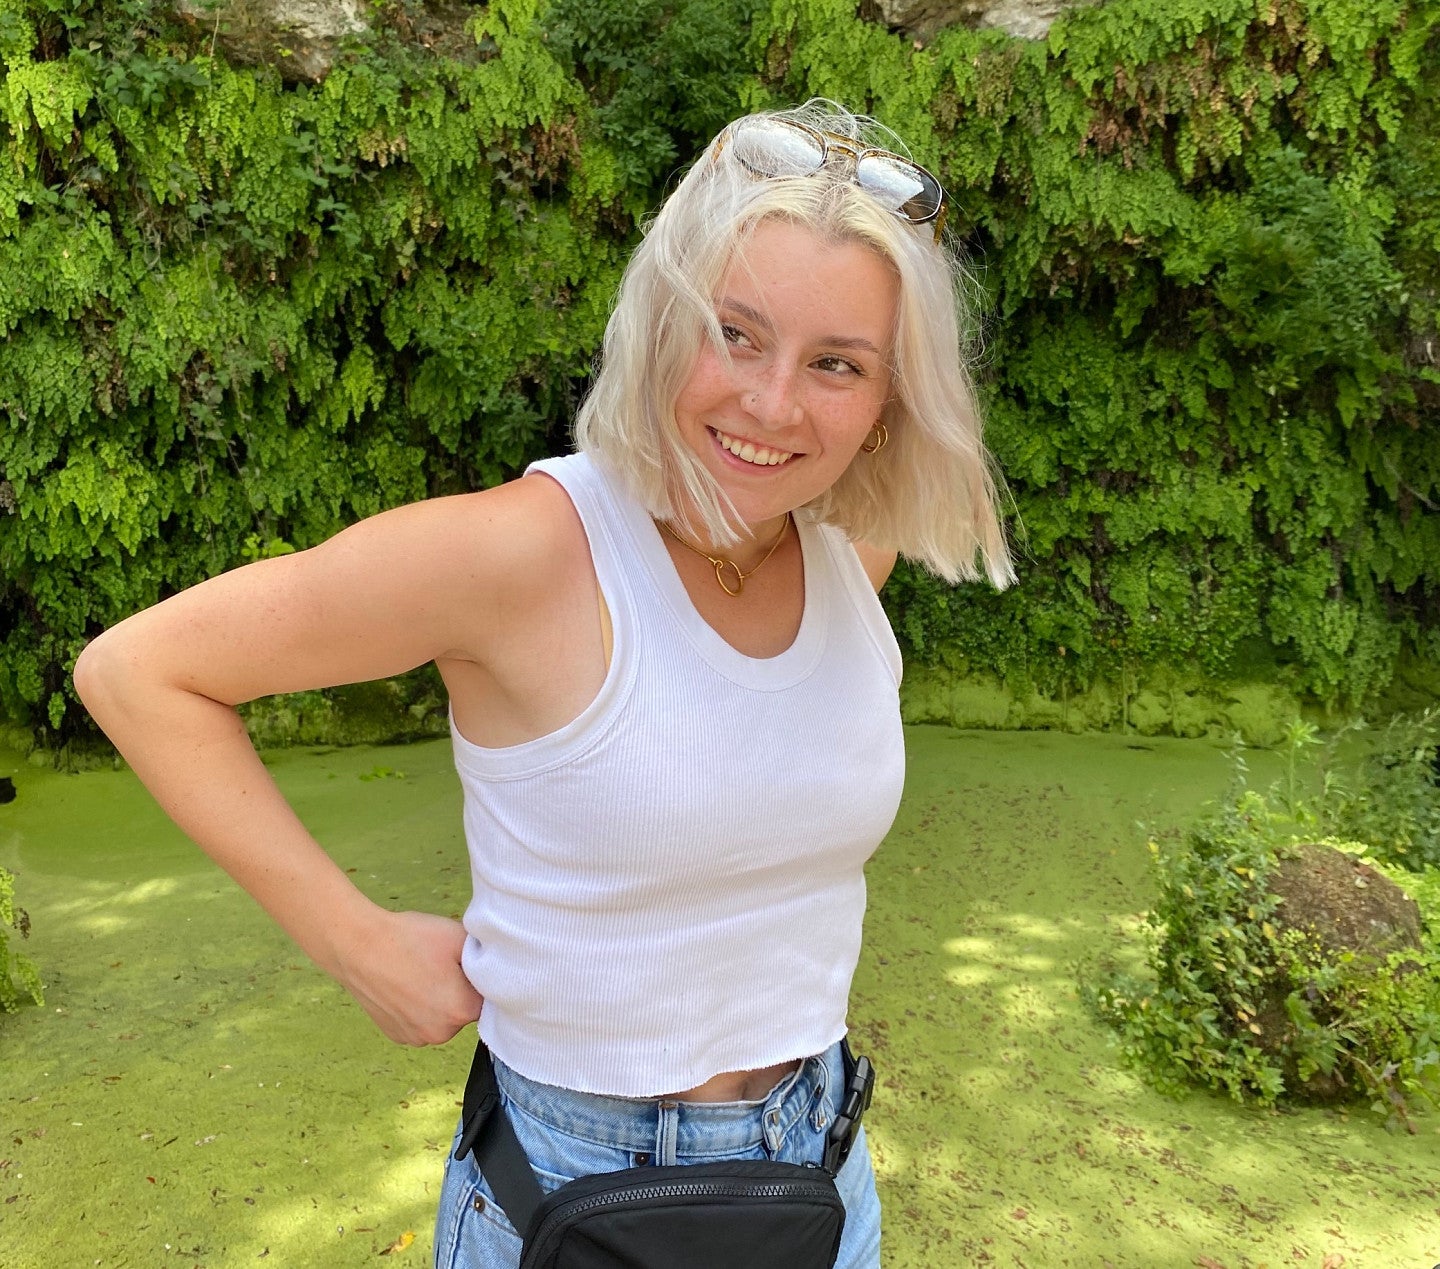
(1024, 19)
(1346, 906)
(299, 37)
(1340, 905)
(7, 789)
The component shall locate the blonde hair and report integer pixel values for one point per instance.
(930, 493)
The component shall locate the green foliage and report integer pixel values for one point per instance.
(1235, 1002)
(238, 312)
(1374, 1026)
(1392, 802)
(1213, 954)
(393, 711)
(661, 73)
(15, 965)
(1210, 369)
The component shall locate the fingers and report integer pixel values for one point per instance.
(444, 1023)
(410, 981)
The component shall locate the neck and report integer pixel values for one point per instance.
(733, 570)
(753, 542)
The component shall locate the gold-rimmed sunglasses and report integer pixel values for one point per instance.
(770, 147)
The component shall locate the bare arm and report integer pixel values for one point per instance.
(384, 596)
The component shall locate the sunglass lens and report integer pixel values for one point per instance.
(770, 147)
(901, 187)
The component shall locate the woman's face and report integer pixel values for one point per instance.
(809, 325)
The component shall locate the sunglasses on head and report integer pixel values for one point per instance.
(770, 147)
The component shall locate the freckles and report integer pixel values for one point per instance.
(709, 381)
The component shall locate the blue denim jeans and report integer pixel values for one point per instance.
(567, 1135)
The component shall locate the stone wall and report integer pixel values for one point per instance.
(1024, 19)
(301, 37)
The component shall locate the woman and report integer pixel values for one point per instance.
(673, 691)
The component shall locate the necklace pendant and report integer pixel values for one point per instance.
(726, 569)
(722, 567)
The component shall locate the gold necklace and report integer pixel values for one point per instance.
(721, 564)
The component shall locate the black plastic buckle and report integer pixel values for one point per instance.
(482, 1095)
(473, 1126)
(859, 1088)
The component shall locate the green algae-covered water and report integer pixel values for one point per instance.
(194, 1092)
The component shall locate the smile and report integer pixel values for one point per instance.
(747, 452)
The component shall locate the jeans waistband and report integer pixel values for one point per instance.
(695, 1128)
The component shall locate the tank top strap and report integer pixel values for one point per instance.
(860, 596)
(593, 496)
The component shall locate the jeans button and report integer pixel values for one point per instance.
(478, 1202)
(642, 1160)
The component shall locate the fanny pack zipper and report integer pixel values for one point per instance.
(679, 1189)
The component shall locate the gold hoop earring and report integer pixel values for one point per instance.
(875, 441)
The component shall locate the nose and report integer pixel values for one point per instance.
(773, 397)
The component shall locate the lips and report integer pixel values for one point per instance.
(749, 452)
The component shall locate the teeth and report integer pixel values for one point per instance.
(759, 455)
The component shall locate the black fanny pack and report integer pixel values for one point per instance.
(758, 1215)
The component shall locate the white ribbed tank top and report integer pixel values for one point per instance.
(671, 885)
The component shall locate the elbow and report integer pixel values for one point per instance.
(98, 671)
(89, 673)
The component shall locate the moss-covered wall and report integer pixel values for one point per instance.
(237, 312)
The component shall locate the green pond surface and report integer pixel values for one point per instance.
(193, 1092)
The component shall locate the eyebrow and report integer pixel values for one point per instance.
(848, 342)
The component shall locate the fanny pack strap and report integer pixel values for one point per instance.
(485, 1129)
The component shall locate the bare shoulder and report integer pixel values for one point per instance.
(535, 503)
(495, 539)
(498, 553)
(528, 528)
(877, 562)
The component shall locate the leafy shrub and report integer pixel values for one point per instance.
(660, 73)
(13, 964)
(1393, 801)
(1234, 1001)
(1211, 960)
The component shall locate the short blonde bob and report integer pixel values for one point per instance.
(929, 493)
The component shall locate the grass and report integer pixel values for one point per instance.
(194, 1093)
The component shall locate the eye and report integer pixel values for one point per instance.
(832, 364)
(734, 335)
